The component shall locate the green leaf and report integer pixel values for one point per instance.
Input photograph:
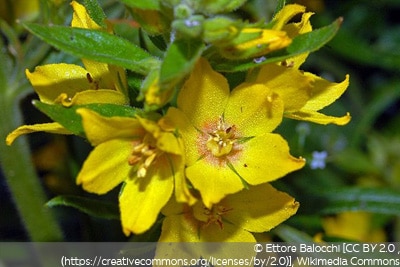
(357, 49)
(96, 13)
(179, 60)
(96, 45)
(72, 121)
(292, 235)
(304, 43)
(92, 207)
(387, 95)
(376, 200)
(143, 4)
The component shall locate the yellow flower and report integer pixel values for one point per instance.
(138, 152)
(234, 219)
(227, 138)
(302, 93)
(71, 84)
(355, 226)
(280, 22)
(51, 127)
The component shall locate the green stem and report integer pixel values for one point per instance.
(21, 178)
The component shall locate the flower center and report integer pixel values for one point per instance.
(221, 140)
(143, 155)
(215, 214)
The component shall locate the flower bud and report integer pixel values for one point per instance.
(191, 27)
(182, 11)
(219, 30)
(255, 42)
(218, 6)
(150, 90)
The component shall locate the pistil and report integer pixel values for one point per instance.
(221, 140)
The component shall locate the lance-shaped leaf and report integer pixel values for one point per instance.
(72, 121)
(92, 207)
(304, 43)
(143, 4)
(376, 200)
(96, 45)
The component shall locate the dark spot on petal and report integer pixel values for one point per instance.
(89, 77)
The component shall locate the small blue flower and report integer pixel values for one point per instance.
(318, 160)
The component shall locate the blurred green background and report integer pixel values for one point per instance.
(350, 188)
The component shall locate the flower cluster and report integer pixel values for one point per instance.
(204, 159)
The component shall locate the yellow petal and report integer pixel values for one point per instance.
(204, 95)
(182, 193)
(166, 141)
(106, 166)
(185, 228)
(142, 198)
(254, 42)
(259, 208)
(105, 76)
(294, 29)
(99, 129)
(213, 181)
(353, 225)
(286, 14)
(253, 109)
(185, 129)
(229, 233)
(179, 228)
(49, 81)
(169, 143)
(81, 19)
(266, 158)
(93, 96)
(319, 118)
(174, 207)
(324, 92)
(52, 127)
(192, 241)
(292, 86)
(154, 96)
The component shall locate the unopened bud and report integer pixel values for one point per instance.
(219, 30)
(255, 42)
(218, 6)
(190, 27)
(151, 92)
